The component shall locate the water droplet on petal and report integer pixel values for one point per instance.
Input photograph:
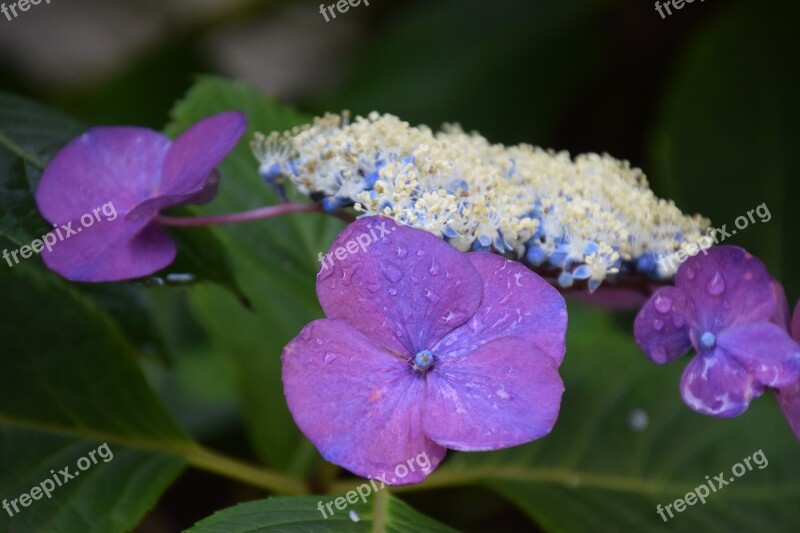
(717, 284)
(392, 291)
(658, 324)
(431, 297)
(392, 273)
(319, 342)
(663, 303)
(401, 252)
(330, 358)
(434, 269)
(678, 321)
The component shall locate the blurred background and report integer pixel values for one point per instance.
(704, 100)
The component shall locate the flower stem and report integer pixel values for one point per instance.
(245, 216)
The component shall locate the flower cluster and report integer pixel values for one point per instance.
(588, 218)
(424, 348)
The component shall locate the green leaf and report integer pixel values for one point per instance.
(597, 472)
(725, 139)
(381, 514)
(70, 378)
(275, 263)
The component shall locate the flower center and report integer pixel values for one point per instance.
(423, 361)
(707, 340)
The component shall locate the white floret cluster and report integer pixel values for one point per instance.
(588, 218)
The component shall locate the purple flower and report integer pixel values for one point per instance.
(134, 172)
(424, 348)
(724, 305)
(789, 397)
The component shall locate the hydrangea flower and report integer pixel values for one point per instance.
(424, 348)
(789, 397)
(578, 220)
(139, 172)
(724, 305)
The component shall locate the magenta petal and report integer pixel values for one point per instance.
(789, 401)
(729, 286)
(121, 165)
(662, 326)
(516, 302)
(360, 406)
(195, 154)
(765, 351)
(714, 384)
(506, 392)
(403, 288)
(111, 251)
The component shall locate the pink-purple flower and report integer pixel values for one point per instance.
(727, 307)
(424, 348)
(139, 172)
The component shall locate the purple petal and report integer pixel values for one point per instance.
(662, 326)
(403, 288)
(789, 401)
(516, 302)
(765, 351)
(506, 392)
(110, 251)
(195, 154)
(729, 286)
(795, 329)
(359, 405)
(781, 316)
(715, 384)
(121, 165)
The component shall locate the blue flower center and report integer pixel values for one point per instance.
(707, 340)
(423, 361)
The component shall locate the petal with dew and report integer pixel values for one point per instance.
(516, 302)
(359, 405)
(507, 392)
(662, 326)
(403, 288)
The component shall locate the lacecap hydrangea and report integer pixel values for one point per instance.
(585, 219)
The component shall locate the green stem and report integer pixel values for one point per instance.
(211, 461)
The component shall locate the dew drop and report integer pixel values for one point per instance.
(401, 252)
(434, 269)
(663, 303)
(330, 357)
(392, 273)
(678, 321)
(319, 342)
(430, 296)
(716, 286)
(392, 291)
(658, 324)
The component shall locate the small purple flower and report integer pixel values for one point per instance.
(789, 397)
(724, 305)
(425, 348)
(138, 172)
